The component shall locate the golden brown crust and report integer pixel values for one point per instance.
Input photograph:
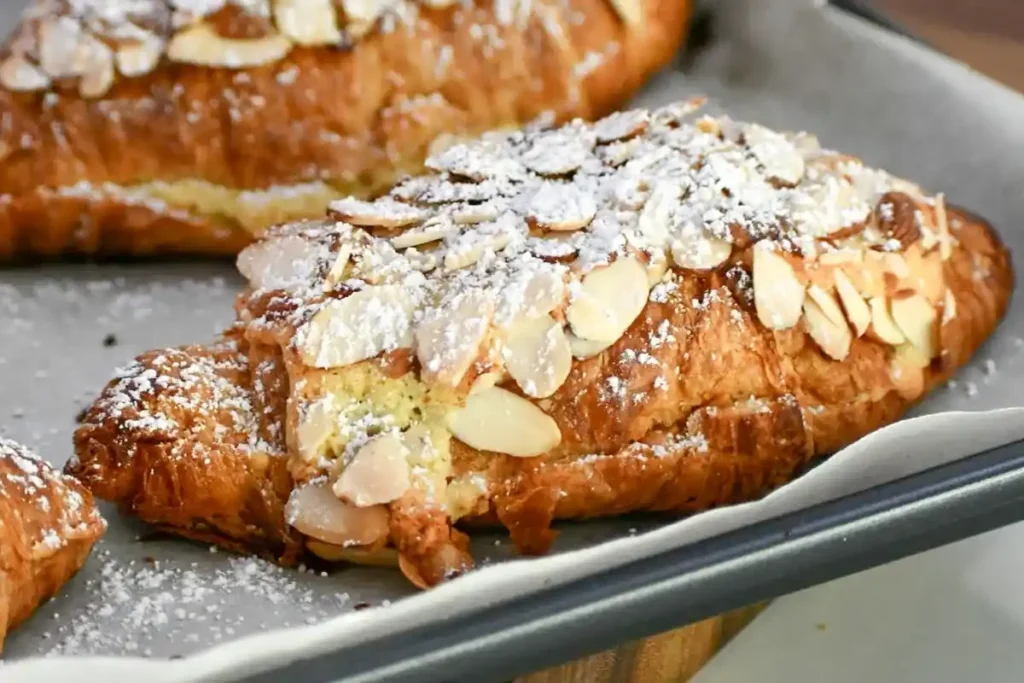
(354, 118)
(48, 525)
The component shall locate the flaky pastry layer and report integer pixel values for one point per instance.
(101, 101)
(48, 525)
(656, 312)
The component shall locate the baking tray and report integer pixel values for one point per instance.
(142, 599)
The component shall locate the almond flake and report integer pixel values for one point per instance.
(449, 340)
(383, 213)
(585, 348)
(308, 22)
(841, 256)
(469, 246)
(948, 307)
(610, 299)
(200, 44)
(358, 327)
(827, 304)
(431, 231)
(476, 160)
(701, 254)
(906, 372)
(378, 473)
(778, 294)
(883, 328)
(317, 424)
(831, 338)
(336, 274)
(656, 216)
(556, 155)
(856, 309)
(622, 125)
(630, 11)
(363, 14)
(942, 222)
(500, 421)
(316, 512)
(19, 75)
(537, 355)
(288, 262)
(915, 317)
(561, 207)
(139, 58)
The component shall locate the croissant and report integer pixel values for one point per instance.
(660, 311)
(164, 127)
(48, 525)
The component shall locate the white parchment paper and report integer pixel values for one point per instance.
(793, 65)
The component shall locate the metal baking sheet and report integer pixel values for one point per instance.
(142, 598)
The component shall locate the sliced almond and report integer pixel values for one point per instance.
(423, 261)
(948, 307)
(857, 311)
(544, 292)
(561, 207)
(200, 44)
(896, 264)
(537, 355)
(138, 59)
(484, 382)
(925, 276)
(906, 374)
(317, 424)
(382, 213)
(19, 75)
(471, 214)
(827, 304)
(778, 293)
(556, 154)
(657, 212)
(431, 231)
(308, 22)
(448, 341)
(376, 557)
(469, 246)
(288, 262)
(630, 11)
(610, 299)
(585, 348)
(915, 317)
(834, 339)
(942, 222)
(657, 266)
(336, 273)
(841, 257)
(363, 14)
(910, 355)
(883, 328)
(377, 474)
(360, 326)
(702, 253)
(500, 421)
(624, 124)
(315, 511)
(62, 47)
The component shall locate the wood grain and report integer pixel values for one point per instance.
(672, 657)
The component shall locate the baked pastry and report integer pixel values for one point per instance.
(661, 311)
(48, 525)
(137, 127)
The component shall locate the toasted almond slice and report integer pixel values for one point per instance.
(621, 125)
(561, 207)
(376, 557)
(287, 262)
(360, 326)
(431, 231)
(448, 341)
(781, 161)
(308, 22)
(701, 254)
(915, 317)
(18, 74)
(500, 421)
(423, 261)
(200, 44)
(556, 154)
(925, 275)
(906, 373)
(377, 474)
(382, 213)
(895, 263)
(827, 304)
(484, 382)
(471, 214)
(537, 355)
(469, 246)
(778, 293)
(363, 14)
(316, 512)
(882, 327)
(942, 222)
(856, 309)
(610, 299)
(948, 307)
(98, 69)
(657, 266)
(139, 58)
(585, 348)
(544, 292)
(910, 355)
(336, 273)
(317, 424)
(833, 339)
(630, 11)
(840, 257)
(657, 212)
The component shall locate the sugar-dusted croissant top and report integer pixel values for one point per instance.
(97, 41)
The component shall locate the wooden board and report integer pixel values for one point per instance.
(672, 657)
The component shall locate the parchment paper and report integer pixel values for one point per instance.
(786, 64)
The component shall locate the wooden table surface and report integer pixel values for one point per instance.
(988, 35)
